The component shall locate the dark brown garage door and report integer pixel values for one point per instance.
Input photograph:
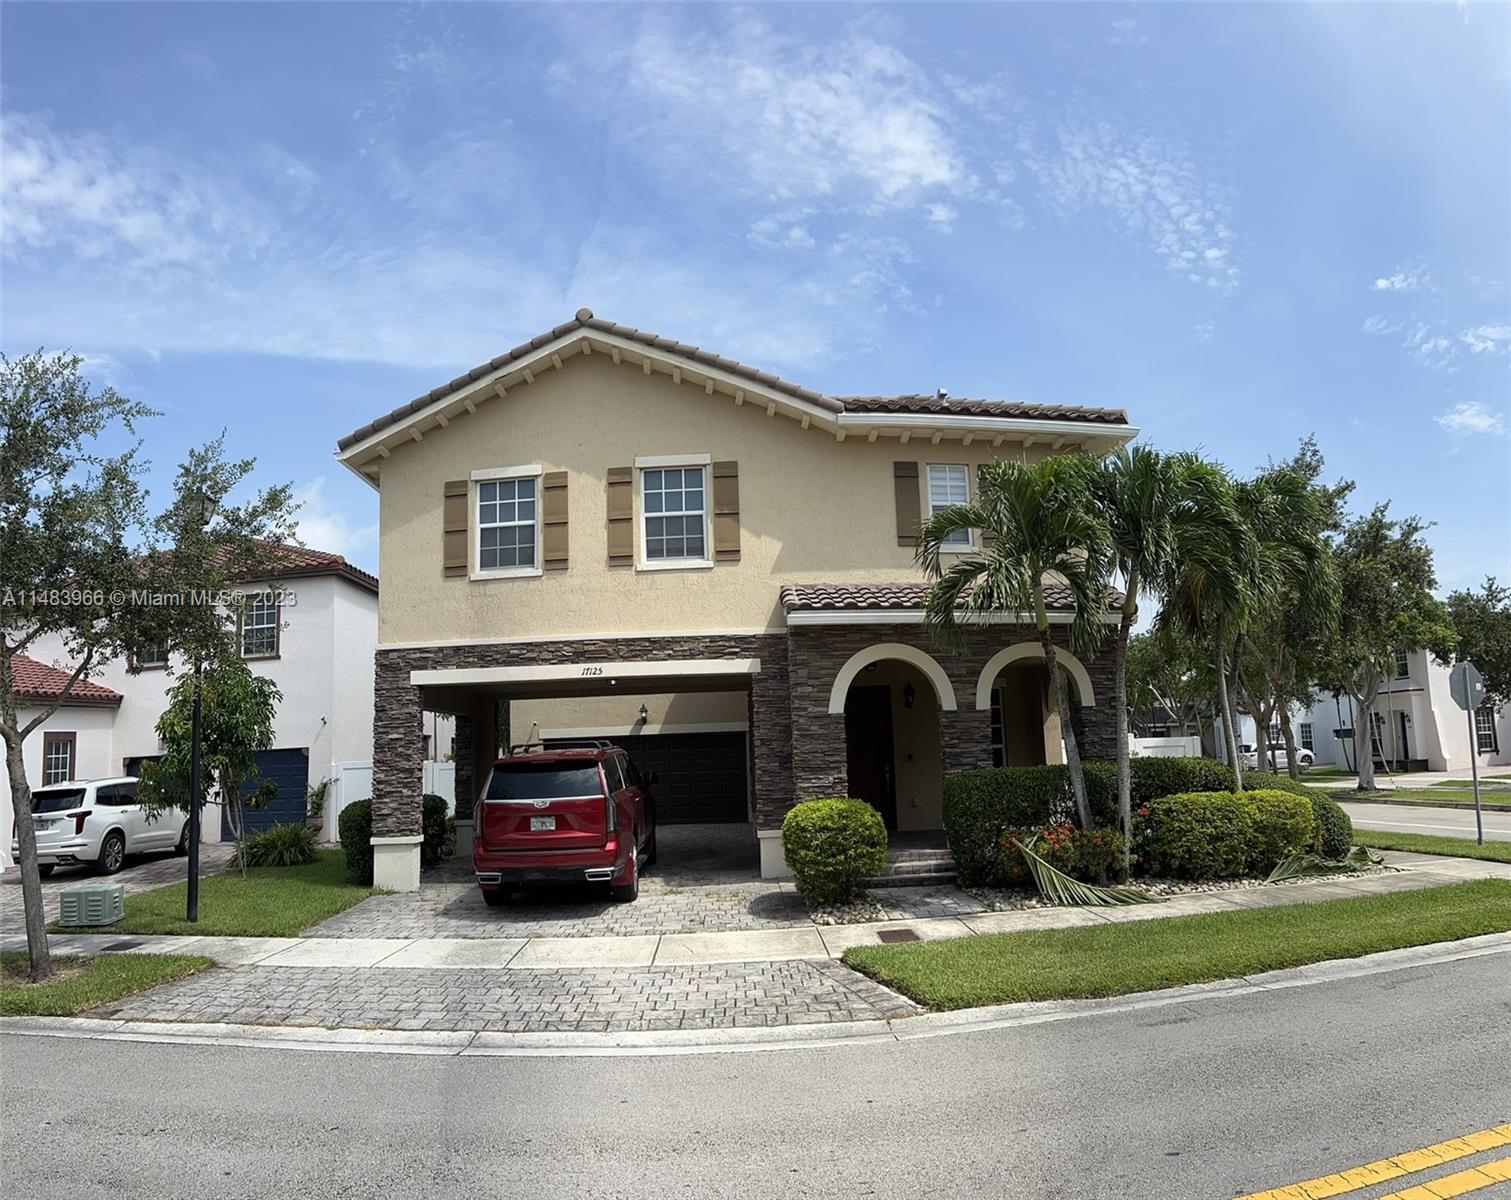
(700, 776)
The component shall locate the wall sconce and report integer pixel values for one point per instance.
(645, 714)
(908, 695)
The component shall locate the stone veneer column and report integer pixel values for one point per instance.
(771, 752)
(462, 791)
(966, 735)
(398, 774)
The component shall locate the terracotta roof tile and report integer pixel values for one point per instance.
(871, 597)
(38, 681)
(584, 319)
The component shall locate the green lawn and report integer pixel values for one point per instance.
(84, 983)
(1426, 843)
(269, 902)
(1137, 956)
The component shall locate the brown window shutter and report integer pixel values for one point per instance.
(726, 511)
(454, 530)
(621, 482)
(905, 488)
(553, 520)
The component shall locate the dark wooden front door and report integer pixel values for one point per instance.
(868, 742)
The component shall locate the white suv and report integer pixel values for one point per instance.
(1279, 760)
(98, 821)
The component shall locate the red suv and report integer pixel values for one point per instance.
(569, 812)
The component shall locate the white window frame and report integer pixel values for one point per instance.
(53, 738)
(657, 462)
(260, 600)
(1486, 714)
(1305, 732)
(1402, 665)
(493, 475)
(969, 544)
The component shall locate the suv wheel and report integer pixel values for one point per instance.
(112, 853)
(624, 893)
(45, 869)
(183, 841)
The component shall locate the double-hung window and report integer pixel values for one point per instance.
(674, 501)
(949, 484)
(1306, 736)
(58, 757)
(1484, 730)
(1403, 665)
(259, 626)
(508, 521)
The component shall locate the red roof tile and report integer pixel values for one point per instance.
(38, 681)
(881, 597)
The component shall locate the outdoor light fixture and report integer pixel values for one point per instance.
(908, 695)
(202, 507)
(645, 713)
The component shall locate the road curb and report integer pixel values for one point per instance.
(464, 1044)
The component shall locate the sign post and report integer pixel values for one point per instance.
(1467, 687)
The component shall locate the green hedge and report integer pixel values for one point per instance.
(1335, 832)
(831, 846)
(433, 828)
(1197, 835)
(356, 829)
(1283, 825)
(981, 806)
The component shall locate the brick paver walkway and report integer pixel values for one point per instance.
(601, 1000)
(141, 874)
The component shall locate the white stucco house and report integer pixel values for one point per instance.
(314, 635)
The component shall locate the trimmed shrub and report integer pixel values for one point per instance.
(1335, 832)
(1268, 781)
(281, 846)
(356, 829)
(1283, 825)
(1155, 777)
(433, 827)
(1196, 835)
(831, 846)
(1088, 857)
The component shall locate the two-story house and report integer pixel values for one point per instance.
(617, 533)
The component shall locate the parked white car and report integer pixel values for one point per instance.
(98, 821)
(1279, 760)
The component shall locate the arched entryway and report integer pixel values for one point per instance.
(1014, 686)
(891, 697)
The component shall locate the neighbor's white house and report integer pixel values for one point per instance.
(316, 643)
(1417, 726)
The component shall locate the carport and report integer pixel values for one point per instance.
(703, 778)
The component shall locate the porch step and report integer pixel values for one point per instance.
(917, 879)
(920, 867)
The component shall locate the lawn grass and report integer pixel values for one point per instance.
(269, 902)
(1136, 956)
(85, 983)
(1426, 843)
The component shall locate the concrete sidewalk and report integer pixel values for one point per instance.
(798, 943)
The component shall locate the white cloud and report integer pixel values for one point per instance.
(1429, 346)
(1378, 324)
(322, 526)
(1408, 279)
(1126, 32)
(1472, 418)
(1488, 339)
(780, 230)
(942, 216)
(1203, 330)
(1155, 189)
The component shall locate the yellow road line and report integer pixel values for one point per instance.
(1400, 1165)
(1460, 1183)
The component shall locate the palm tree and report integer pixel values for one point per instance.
(1158, 509)
(1035, 522)
(1212, 584)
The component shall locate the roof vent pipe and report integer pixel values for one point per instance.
(942, 396)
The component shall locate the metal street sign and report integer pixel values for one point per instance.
(1467, 686)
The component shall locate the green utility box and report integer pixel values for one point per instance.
(92, 904)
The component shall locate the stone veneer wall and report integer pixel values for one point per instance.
(817, 652)
(397, 731)
(461, 754)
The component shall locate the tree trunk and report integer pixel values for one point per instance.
(1292, 766)
(1364, 719)
(1342, 743)
(1120, 702)
(38, 956)
(1067, 731)
(1229, 717)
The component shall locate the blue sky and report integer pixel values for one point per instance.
(1242, 223)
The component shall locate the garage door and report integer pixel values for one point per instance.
(290, 770)
(700, 776)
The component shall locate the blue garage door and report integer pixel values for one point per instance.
(290, 770)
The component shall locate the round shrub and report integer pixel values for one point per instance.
(1283, 825)
(281, 846)
(433, 828)
(356, 830)
(1335, 832)
(831, 846)
(1196, 835)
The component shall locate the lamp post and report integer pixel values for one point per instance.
(201, 511)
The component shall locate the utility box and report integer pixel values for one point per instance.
(92, 904)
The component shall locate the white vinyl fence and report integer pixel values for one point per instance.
(1165, 747)
(353, 781)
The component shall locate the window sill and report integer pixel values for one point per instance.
(260, 657)
(677, 564)
(508, 573)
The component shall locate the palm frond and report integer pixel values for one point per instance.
(1298, 866)
(1059, 888)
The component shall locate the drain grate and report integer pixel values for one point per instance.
(898, 935)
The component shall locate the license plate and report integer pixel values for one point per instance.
(41, 826)
(542, 824)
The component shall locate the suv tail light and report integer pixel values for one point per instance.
(78, 821)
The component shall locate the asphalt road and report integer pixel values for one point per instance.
(1438, 822)
(1205, 1100)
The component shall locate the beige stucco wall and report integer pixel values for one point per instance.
(811, 509)
(613, 716)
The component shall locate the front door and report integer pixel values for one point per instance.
(868, 741)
